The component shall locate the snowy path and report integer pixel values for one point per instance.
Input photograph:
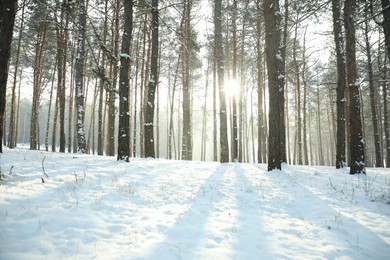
(96, 208)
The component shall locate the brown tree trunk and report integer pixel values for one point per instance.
(152, 84)
(12, 127)
(79, 79)
(186, 48)
(234, 80)
(39, 46)
(110, 140)
(124, 80)
(261, 138)
(356, 133)
(7, 11)
(224, 145)
(386, 24)
(374, 112)
(276, 72)
(299, 159)
(339, 46)
(215, 132)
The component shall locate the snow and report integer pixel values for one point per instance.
(125, 55)
(100, 208)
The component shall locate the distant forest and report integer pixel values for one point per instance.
(259, 81)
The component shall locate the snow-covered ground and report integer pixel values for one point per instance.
(92, 207)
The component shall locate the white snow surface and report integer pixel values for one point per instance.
(92, 207)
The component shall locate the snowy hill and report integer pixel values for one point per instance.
(92, 207)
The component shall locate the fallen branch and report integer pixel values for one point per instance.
(331, 184)
(43, 168)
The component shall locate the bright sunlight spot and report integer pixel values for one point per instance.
(232, 88)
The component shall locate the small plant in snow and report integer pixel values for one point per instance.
(79, 177)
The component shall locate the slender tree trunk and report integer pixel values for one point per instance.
(7, 10)
(224, 145)
(375, 124)
(260, 88)
(386, 24)
(12, 129)
(186, 48)
(124, 80)
(144, 69)
(234, 79)
(39, 46)
(356, 133)
(49, 113)
(110, 140)
(152, 84)
(338, 38)
(298, 101)
(71, 104)
(386, 115)
(304, 108)
(79, 79)
(276, 71)
(319, 129)
(18, 109)
(204, 121)
(215, 120)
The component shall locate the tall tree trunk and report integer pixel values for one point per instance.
(124, 80)
(152, 84)
(12, 129)
(186, 48)
(356, 133)
(260, 88)
(79, 79)
(49, 112)
(224, 145)
(18, 109)
(110, 140)
(215, 122)
(386, 115)
(276, 71)
(204, 121)
(304, 108)
(319, 129)
(7, 11)
(374, 112)
(298, 100)
(39, 46)
(234, 79)
(338, 38)
(386, 24)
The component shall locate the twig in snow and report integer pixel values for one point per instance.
(331, 184)
(43, 168)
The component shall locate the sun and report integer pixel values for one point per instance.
(231, 88)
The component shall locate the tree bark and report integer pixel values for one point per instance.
(224, 145)
(39, 46)
(124, 80)
(356, 133)
(8, 11)
(260, 88)
(186, 49)
(79, 79)
(339, 44)
(386, 24)
(374, 110)
(152, 84)
(234, 79)
(276, 72)
(12, 128)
